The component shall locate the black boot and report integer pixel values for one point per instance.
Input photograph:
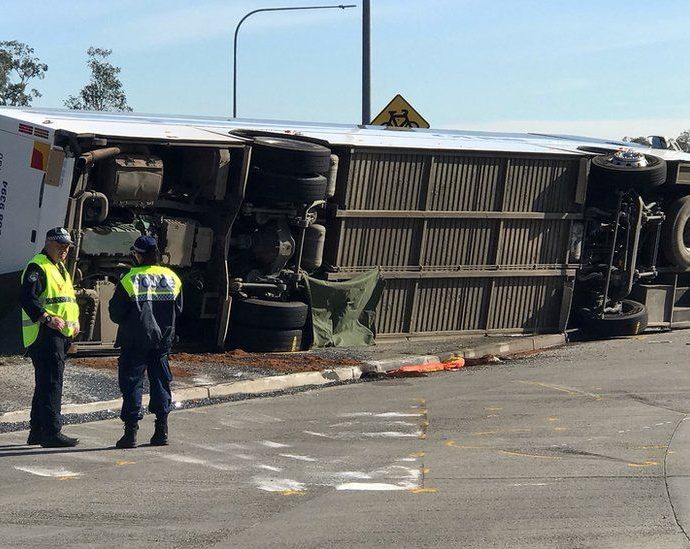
(58, 440)
(35, 436)
(160, 434)
(129, 439)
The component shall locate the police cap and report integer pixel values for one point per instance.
(58, 234)
(144, 244)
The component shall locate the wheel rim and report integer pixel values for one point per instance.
(628, 158)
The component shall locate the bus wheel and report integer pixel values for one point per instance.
(631, 318)
(290, 155)
(271, 187)
(627, 169)
(262, 313)
(675, 233)
(264, 340)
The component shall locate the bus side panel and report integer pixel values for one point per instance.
(28, 208)
(20, 202)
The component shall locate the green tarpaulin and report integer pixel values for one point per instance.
(344, 313)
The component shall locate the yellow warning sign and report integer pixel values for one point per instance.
(400, 114)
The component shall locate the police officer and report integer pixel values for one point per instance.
(146, 303)
(50, 319)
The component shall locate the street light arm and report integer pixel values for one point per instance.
(237, 30)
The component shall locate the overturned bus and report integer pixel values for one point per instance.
(472, 232)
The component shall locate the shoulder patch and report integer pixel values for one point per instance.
(33, 276)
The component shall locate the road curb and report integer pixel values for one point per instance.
(268, 384)
(502, 348)
(272, 384)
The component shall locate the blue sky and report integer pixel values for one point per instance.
(596, 68)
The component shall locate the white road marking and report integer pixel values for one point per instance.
(184, 459)
(322, 435)
(278, 485)
(371, 434)
(269, 468)
(397, 414)
(353, 474)
(381, 414)
(46, 472)
(299, 458)
(271, 444)
(391, 434)
(400, 472)
(196, 461)
(370, 486)
(344, 424)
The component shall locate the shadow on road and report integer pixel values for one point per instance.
(23, 450)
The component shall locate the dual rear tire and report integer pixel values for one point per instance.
(288, 170)
(262, 326)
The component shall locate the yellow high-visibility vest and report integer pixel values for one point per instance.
(151, 283)
(57, 299)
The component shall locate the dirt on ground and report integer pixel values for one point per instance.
(182, 363)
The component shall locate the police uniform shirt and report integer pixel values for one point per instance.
(134, 324)
(33, 284)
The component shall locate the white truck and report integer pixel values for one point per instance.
(243, 209)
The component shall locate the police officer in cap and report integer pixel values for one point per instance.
(146, 303)
(50, 319)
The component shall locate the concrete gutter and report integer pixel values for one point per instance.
(499, 348)
(272, 384)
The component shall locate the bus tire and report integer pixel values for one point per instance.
(632, 320)
(603, 173)
(271, 187)
(264, 340)
(282, 315)
(673, 229)
(290, 155)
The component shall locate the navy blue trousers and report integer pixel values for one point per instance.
(48, 356)
(131, 368)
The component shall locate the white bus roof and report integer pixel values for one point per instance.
(218, 130)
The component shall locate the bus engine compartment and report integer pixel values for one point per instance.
(226, 228)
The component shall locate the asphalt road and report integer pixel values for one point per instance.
(580, 447)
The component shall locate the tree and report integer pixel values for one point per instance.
(104, 91)
(18, 67)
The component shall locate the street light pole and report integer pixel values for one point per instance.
(366, 62)
(237, 29)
